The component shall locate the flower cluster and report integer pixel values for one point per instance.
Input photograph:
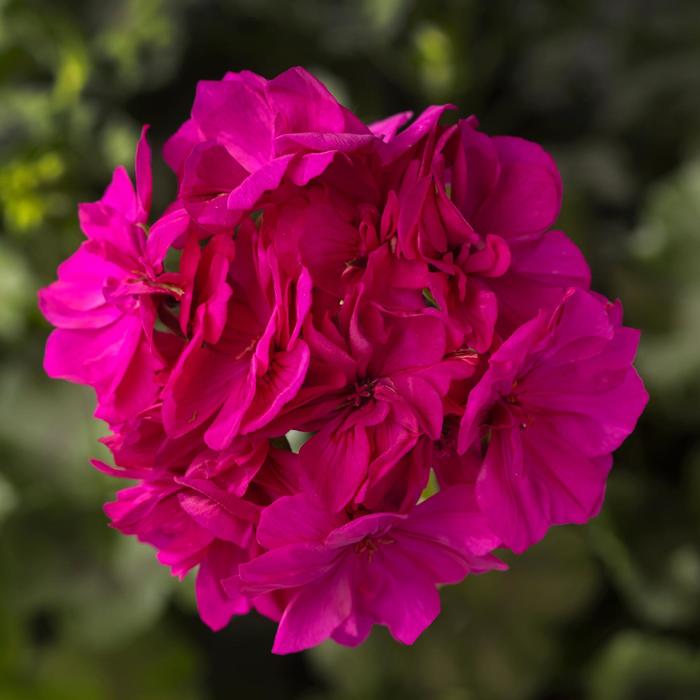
(396, 292)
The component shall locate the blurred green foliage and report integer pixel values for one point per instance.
(607, 612)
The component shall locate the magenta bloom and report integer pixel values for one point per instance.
(347, 575)
(242, 372)
(249, 136)
(558, 397)
(195, 517)
(481, 217)
(376, 385)
(398, 292)
(103, 302)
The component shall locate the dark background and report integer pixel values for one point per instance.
(612, 87)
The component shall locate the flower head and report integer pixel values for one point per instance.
(397, 292)
(559, 396)
(348, 573)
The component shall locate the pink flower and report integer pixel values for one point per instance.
(249, 136)
(240, 373)
(349, 574)
(480, 215)
(397, 291)
(559, 396)
(376, 385)
(103, 302)
(195, 516)
(510, 188)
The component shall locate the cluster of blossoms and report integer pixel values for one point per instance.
(396, 292)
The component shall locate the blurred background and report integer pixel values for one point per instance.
(607, 612)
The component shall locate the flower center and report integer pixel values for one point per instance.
(363, 392)
(369, 545)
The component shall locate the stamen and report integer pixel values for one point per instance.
(370, 545)
(364, 391)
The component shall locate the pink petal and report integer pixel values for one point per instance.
(269, 177)
(336, 460)
(303, 104)
(539, 273)
(91, 356)
(199, 385)
(386, 128)
(144, 189)
(215, 606)
(309, 166)
(210, 176)
(594, 418)
(327, 144)
(406, 602)
(286, 567)
(527, 196)
(179, 146)
(514, 498)
(452, 517)
(314, 613)
(354, 630)
(238, 396)
(295, 519)
(575, 484)
(136, 389)
(277, 386)
(304, 296)
(414, 342)
(372, 525)
(424, 124)
(165, 233)
(327, 245)
(119, 197)
(238, 116)
(213, 517)
(528, 484)
(475, 168)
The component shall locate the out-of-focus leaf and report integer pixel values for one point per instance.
(654, 563)
(137, 588)
(667, 248)
(672, 597)
(635, 666)
(16, 293)
(434, 58)
(142, 39)
(8, 498)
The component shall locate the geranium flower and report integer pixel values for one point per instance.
(347, 574)
(194, 516)
(397, 291)
(244, 371)
(103, 303)
(376, 384)
(559, 396)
